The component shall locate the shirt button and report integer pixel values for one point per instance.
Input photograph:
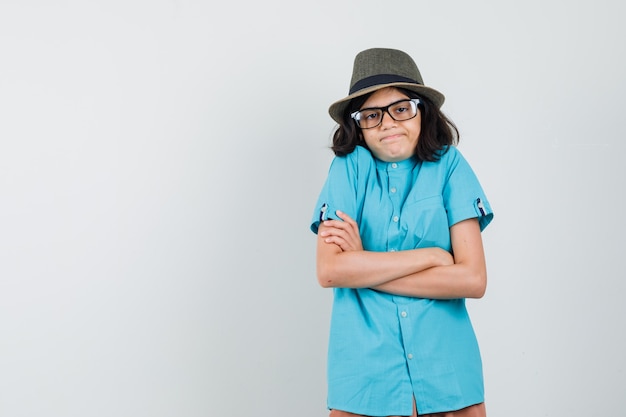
(410, 356)
(403, 314)
(395, 219)
(394, 165)
(392, 250)
(393, 189)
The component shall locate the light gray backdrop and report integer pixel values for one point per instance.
(159, 164)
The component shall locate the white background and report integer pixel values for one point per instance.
(159, 164)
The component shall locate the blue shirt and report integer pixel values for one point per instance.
(384, 350)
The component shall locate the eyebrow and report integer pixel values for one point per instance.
(382, 107)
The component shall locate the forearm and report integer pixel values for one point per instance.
(364, 269)
(466, 278)
(443, 282)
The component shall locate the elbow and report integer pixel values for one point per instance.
(330, 274)
(479, 292)
(324, 282)
(325, 276)
(478, 285)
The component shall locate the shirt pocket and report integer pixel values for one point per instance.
(426, 222)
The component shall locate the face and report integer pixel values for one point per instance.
(391, 141)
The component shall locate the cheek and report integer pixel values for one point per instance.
(366, 138)
(417, 130)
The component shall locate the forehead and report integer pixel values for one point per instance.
(383, 97)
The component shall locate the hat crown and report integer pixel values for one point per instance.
(378, 68)
(374, 63)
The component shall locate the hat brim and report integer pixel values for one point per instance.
(337, 109)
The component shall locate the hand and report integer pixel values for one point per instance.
(344, 234)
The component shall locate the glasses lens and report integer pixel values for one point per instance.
(399, 111)
(370, 118)
(403, 110)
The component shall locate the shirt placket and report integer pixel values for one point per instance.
(394, 193)
(412, 356)
(397, 190)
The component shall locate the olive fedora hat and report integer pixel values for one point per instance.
(378, 68)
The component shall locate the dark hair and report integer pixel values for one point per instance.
(436, 135)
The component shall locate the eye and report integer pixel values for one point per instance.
(370, 115)
(401, 108)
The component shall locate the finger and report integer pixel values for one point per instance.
(343, 245)
(337, 224)
(341, 237)
(344, 241)
(345, 231)
(343, 216)
(335, 233)
(334, 228)
(348, 225)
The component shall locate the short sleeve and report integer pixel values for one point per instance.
(463, 195)
(344, 188)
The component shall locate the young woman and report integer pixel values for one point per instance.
(399, 223)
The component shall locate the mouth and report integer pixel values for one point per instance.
(389, 138)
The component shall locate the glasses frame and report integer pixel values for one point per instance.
(356, 116)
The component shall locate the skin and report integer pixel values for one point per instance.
(391, 141)
(427, 272)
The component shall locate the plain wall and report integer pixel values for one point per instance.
(159, 163)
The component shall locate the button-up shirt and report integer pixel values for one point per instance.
(385, 350)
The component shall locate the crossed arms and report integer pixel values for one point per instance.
(426, 273)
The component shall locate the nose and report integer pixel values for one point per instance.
(387, 121)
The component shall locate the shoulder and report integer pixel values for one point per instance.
(447, 158)
(451, 154)
(451, 158)
(361, 155)
(360, 159)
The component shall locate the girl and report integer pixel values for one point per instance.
(399, 223)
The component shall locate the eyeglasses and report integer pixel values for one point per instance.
(399, 111)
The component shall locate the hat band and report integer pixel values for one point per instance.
(378, 80)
